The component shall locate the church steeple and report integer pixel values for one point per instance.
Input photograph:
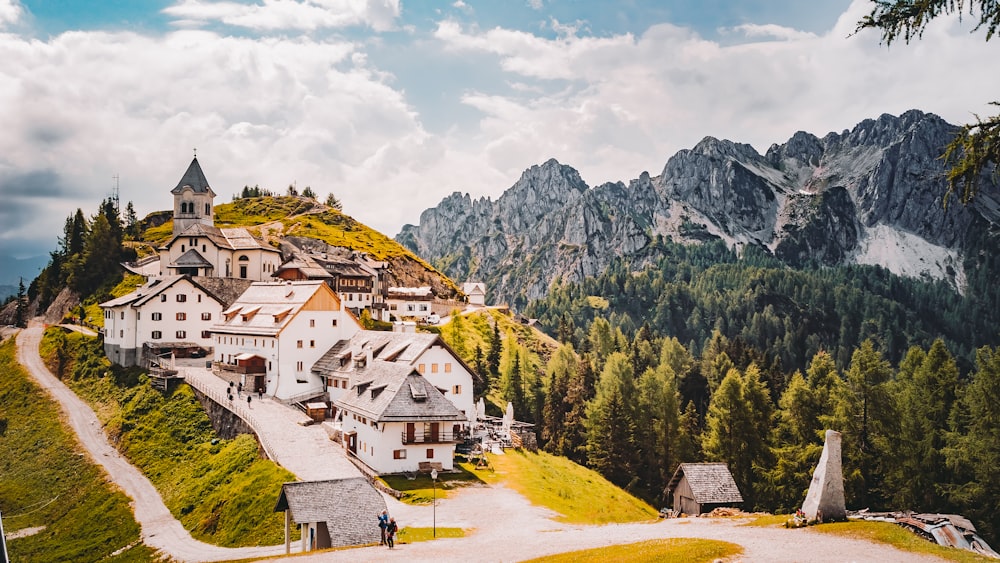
(193, 199)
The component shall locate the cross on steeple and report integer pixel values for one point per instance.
(196, 152)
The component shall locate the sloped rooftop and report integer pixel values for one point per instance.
(711, 483)
(391, 392)
(193, 178)
(348, 506)
(266, 307)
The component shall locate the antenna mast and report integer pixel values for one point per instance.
(114, 193)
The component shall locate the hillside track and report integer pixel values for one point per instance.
(160, 530)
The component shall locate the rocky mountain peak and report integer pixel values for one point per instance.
(870, 194)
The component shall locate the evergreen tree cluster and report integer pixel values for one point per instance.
(918, 436)
(89, 255)
(714, 356)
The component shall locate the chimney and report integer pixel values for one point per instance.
(369, 353)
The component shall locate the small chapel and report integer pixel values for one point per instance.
(199, 248)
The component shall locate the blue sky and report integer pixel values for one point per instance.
(392, 105)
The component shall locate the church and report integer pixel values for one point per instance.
(199, 248)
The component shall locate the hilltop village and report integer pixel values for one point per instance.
(287, 328)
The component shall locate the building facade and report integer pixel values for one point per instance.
(275, 332)
(173, 312)
(394, 420)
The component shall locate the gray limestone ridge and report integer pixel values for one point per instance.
(870, 195)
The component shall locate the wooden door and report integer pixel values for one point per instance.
(411, 432)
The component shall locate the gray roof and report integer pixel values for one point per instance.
(155, 286)
(343, 267)
(391, 392)
(225, 290)
(191, 259)
(711, 483)
(350, 508)
(400, 347)
(193, 178)
(305, 265)
(234, 238)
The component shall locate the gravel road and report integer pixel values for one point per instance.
(160, 530)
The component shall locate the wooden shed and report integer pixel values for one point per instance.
(698, 488)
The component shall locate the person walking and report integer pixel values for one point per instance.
(260, 393)
(248, 400)
(390, 532)
(383, 523)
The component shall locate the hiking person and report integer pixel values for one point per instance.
(383, 523)
(390, 532)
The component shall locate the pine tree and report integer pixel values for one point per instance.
(20, 309)
(496, 349)
(482, 383)
(865, 413)
(610, 421)
(131, 223)
(736, 428)
(332, 201)
(925, 398)
(658, 419)
(559, 372)
(973, 453)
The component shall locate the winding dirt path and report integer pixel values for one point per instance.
(160, 530)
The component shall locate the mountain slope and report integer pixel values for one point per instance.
(869, 195)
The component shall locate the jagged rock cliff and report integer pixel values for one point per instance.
(871, 195)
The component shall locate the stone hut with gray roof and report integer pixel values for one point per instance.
(698, 488)
(335, 513)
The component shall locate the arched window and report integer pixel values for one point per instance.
(208, 209)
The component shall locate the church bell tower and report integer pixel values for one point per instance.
(193, 199)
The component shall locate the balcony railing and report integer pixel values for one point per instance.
(442, 437)
(249, 370)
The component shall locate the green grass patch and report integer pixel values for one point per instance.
(769, 520)
(671, 550)
(578, 494)
(414, 535)
(48, 481)
(422, 489)
(223, 492)
(898, 537)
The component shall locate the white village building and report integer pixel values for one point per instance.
(172, 314)
(410, 302)
(424, 352)
(394, 420)
(475, 292)
(276, 331)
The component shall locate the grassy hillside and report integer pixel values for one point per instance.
(580, 495)
(47, 481)
(220, 490)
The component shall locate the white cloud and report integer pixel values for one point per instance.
(80, 107)
(771, 31)
(10, 12)
(305, 15)
(614, 106)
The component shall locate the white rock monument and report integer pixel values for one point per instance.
(825, 499)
